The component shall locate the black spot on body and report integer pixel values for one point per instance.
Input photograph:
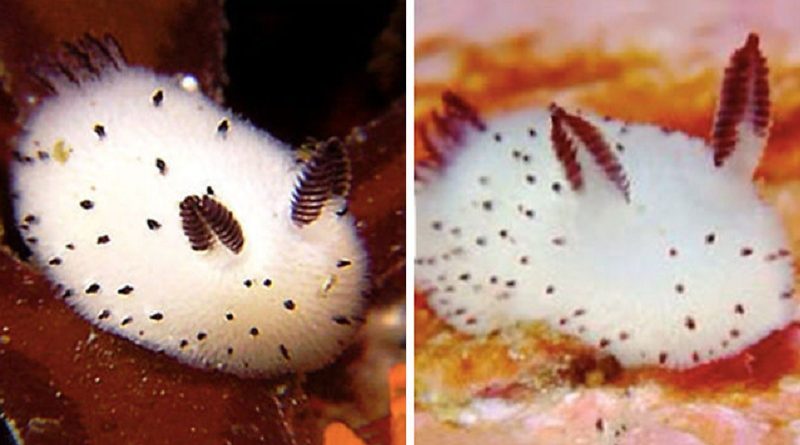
(267, 282)
(93, 288)
(710, 238)
(201, 336)
(248, 283)
(284, 352)
(103, 239)
(223, 127)
(289, 305)
(161, 166)
(157, 98)
(100, 131)
(125, 290)
(341, 319)
(158, 316)
(87, 204)
(126, 321)
(209, 190)
(184, 343)
(343, 263)
(254, 331)
(153, 224)
(229, 316)
(54, 261)
(104, 314)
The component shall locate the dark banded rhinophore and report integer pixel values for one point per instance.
(744, 99)
(221, 221)
(193, 225)
(325, 175)
(590, 138)
(206, 217)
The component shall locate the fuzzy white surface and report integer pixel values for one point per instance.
(250, 172)
(613, 279)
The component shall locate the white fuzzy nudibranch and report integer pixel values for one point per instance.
(166, 220)
(648, 244)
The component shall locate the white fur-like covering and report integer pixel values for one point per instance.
(291, 300)
(694, 268)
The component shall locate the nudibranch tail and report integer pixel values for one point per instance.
(593, 141)
(449, 128)
(79, 62)
(458, 108)
(324, 176)
(742, 119)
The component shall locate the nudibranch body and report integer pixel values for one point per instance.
(165, 219)
(646, 243)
